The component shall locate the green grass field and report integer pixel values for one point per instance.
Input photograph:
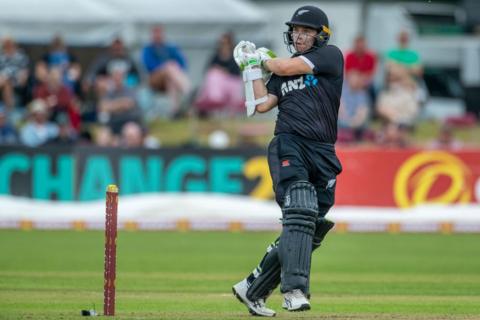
(173, 275)
(260, 131)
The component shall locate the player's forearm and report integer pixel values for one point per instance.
(279, 66)
(287, 66)
(259, 88)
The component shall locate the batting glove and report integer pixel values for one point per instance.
(245, 55)
(265, 54)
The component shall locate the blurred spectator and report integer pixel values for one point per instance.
(362, 61)
(105, 138)
(59, 57)
(13, 72)
(354, 108)
(38, 130)
(119, 104)
(115, 57)
(406, 57)
(393, 136)
(67, 135)
(58, 97)
(222, 86)
(446, 139)
(398, 103)
(132, 136)
(97, 78)
(166, 67)
(8, 134)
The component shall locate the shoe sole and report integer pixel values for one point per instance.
(303, 307)
(252, 312)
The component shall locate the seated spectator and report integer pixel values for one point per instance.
(13, 73)
(97, 78)
(405, 56)
(67, 135)
(58, 97)
(222, 87)
(8, 134)
(409, 59)
(59, 57)
(105, 138)
(354, 109)
(363, 61)
(166, 67)
(446, 139)
(119, 104)
(398, 103)
(38, 129)
(115, 57)
(132, 136)
(393, 136)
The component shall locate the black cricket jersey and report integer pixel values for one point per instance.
(308, 104)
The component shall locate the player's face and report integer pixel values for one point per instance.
(303, 38)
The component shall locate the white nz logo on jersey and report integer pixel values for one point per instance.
(299, 83)
(295, 84)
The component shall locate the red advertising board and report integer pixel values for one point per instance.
(408, 177)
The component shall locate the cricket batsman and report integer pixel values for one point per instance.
(303, 164)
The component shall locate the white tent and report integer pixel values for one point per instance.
(94, 22)
(193, 25)
(84, 22)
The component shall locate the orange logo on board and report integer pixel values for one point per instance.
(432, 177)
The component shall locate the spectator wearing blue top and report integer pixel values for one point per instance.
(353, 115)
(58, 56)
(166, 67)
(38, 129)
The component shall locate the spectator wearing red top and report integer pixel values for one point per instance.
(58, 97)
(361, 60)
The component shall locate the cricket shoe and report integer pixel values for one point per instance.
(257, 307)
(284, 304)
(295, 300)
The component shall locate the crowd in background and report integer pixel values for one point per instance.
(396, 104)
(54, 101)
